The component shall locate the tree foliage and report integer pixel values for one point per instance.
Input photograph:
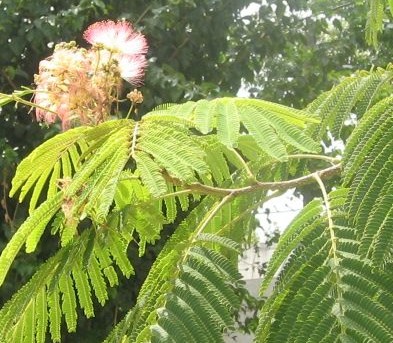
(330, 287)
(102, 190)
(176, 71)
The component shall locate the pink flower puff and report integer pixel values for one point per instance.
(125, 45)
(79, 86)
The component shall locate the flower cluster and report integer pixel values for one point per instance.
(80, 85)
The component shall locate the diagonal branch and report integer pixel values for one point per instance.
(257, 186)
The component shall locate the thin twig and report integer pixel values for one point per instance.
(212, 213)
(244, 164)
(248, 210)
(134, 136)
(174, 194)
(147, 9)
(202, 225)
(332, 160)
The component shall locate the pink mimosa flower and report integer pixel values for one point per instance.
(73, 86)
(78, 86)
(132, 69)
(118, 36)
(127, 46)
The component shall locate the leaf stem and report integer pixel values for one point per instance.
(245, 165)
(212, 213)
(130, 110)
(332, 160)
(333, 250)
(248, 210)
(134, 136)
(174, 194)
(202, 225)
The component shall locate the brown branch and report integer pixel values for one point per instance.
(147, 9)
(178, 48)
(9, 80)
(257, 186)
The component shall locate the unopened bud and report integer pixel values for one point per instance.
(135, 96)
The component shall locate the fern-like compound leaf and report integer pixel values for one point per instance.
(54, 315)
(68, 301)
(291, 238)
(192, 285)
(354, 94)
(64, 280)
(317, 300)
(44, 161)
(267, 122)
(368, 172)
(29, 231)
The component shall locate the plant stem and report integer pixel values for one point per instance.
(333, 239)
(245, 165)
(332, 160)
(134, 136)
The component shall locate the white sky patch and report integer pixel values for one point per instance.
(251, 9)
(277, 214)
(243, 92)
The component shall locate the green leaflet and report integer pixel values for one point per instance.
(29, 326)
(293, 235)
(205, 115)
(150, 174)
(97, 281)
(102, 193)
(261, 119)
(374, 23)
(354, 94)
(184, 295)
(37, 222)
(372, 129)
(55, 289)
(170, 205)
(38, 189)
(68, 301)
(292, 116)
(42, 315)
(29, 232)
(118, 248)
(41, 162)
(368, 173)
(265, 136)
(54, 315)
(172, 148)
(228, 123)
(305, 305)
(216, 160)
